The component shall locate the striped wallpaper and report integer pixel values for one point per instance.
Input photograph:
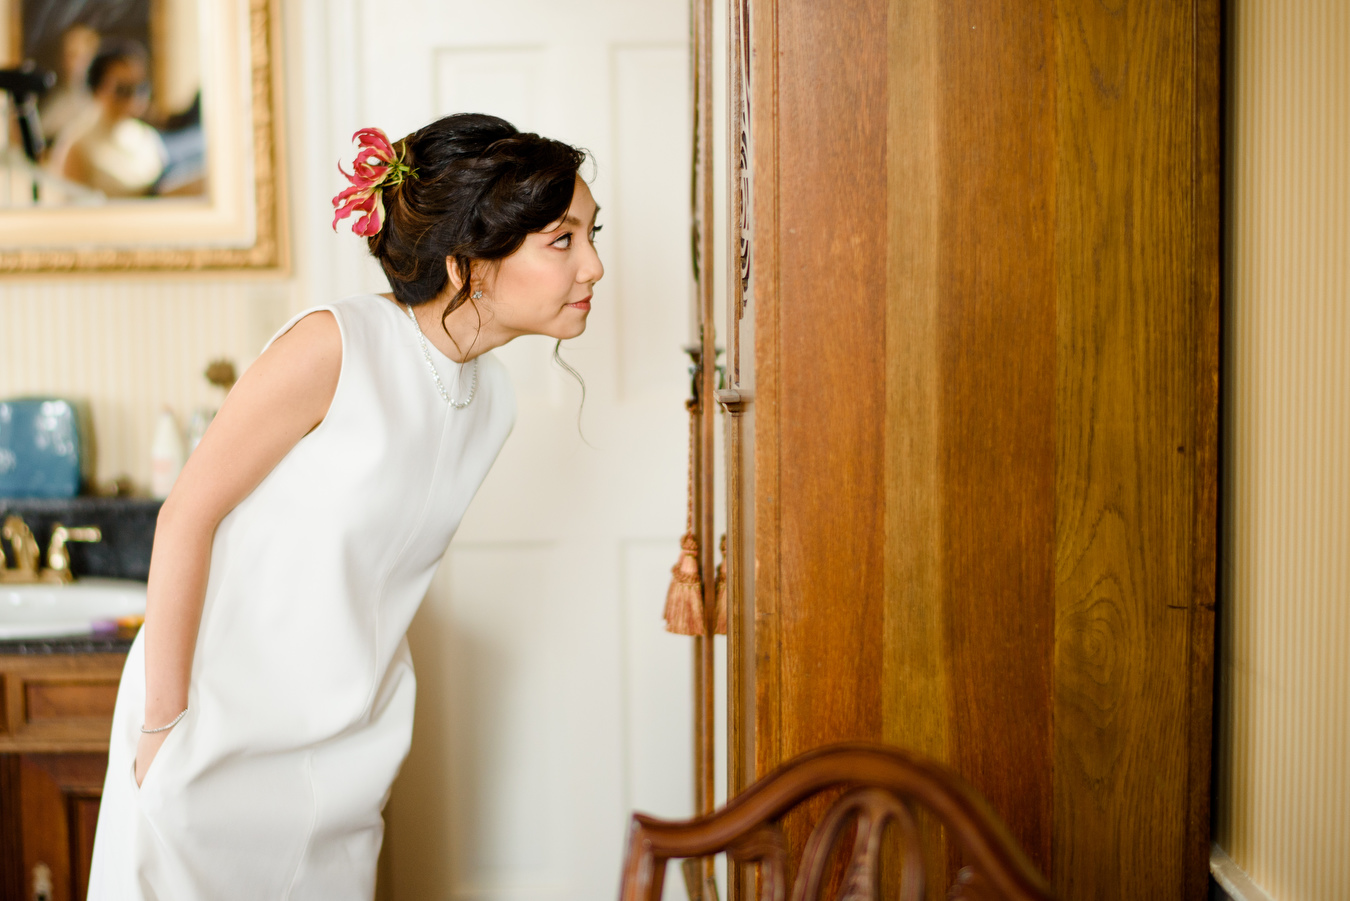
(131, 347)
(1282, 807)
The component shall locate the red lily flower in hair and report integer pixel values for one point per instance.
(375, 168)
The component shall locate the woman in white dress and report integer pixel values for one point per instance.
(267, 704)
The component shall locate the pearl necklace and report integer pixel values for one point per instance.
(436, 376)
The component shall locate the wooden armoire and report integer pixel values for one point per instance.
(971, 405)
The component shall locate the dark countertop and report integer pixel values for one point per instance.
(128, 526)
(92, 644)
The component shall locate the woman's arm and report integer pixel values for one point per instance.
(276, 402)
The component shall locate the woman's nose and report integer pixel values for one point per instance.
(592, 270)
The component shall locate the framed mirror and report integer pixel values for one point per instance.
(140, 135)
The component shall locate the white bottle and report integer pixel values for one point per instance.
(197, 423)
(166, 455)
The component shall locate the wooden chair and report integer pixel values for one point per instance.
(884, 785)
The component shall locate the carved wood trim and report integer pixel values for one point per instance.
(738, 180)
(893, 783)
(763, 109)
(740, 640)
(704, 647)
(869, 810)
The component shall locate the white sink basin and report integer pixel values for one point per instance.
(60, 611)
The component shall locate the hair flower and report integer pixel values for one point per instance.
(375, 168)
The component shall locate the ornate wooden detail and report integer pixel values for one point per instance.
(885, 785)
(738, 177)
(742, 63)
(868, 810)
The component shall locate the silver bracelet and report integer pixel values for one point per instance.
(173, 722)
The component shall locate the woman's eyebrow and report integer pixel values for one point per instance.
(573, 220)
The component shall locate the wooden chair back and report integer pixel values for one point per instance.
(885, 786)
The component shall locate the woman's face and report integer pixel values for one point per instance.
(545, 287)
(124, 91)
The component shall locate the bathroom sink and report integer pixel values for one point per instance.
(59, 611)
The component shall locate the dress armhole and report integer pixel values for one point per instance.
(342, 364)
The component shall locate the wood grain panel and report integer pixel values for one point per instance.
(916, 669)
(1208, 263)
(768, 744)
(997, 349)
(832, 246)
(1026, 459)
(831, 233)
(59, 702)
(56, 793)
(11, 829)
(82, 810)
(915, 673)
(67, 700)
(915, 678)
(1126, 445)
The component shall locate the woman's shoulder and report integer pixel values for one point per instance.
(356, 314)
(363, 304)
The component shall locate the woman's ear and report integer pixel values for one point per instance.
(452, 270)
(478, 271)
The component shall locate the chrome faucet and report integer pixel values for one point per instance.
(27, 553)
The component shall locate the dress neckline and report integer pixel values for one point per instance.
(402, 312)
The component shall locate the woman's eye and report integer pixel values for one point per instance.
(595, 230)
(566, 241)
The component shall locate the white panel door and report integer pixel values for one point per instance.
(550, 700)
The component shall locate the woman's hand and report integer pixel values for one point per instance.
(146, 749)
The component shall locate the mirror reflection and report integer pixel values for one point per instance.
(103, 102)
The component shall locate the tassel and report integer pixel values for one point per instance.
(684, 600)
(721, 588)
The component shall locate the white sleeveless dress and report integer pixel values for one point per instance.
(301, 699)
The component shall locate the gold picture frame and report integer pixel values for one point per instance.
(243, 226)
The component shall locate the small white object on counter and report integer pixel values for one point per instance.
(197, 423)
(166, 455)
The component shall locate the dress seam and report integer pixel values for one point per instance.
(376, 677)
(313, 821)
(413, 532)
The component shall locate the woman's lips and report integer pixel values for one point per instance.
(581, 304)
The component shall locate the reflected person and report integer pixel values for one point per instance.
(116, 153)
(71, 100)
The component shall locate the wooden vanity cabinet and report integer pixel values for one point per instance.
(55, 717)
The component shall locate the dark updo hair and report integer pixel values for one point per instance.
(480, 186)
(114, 50)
